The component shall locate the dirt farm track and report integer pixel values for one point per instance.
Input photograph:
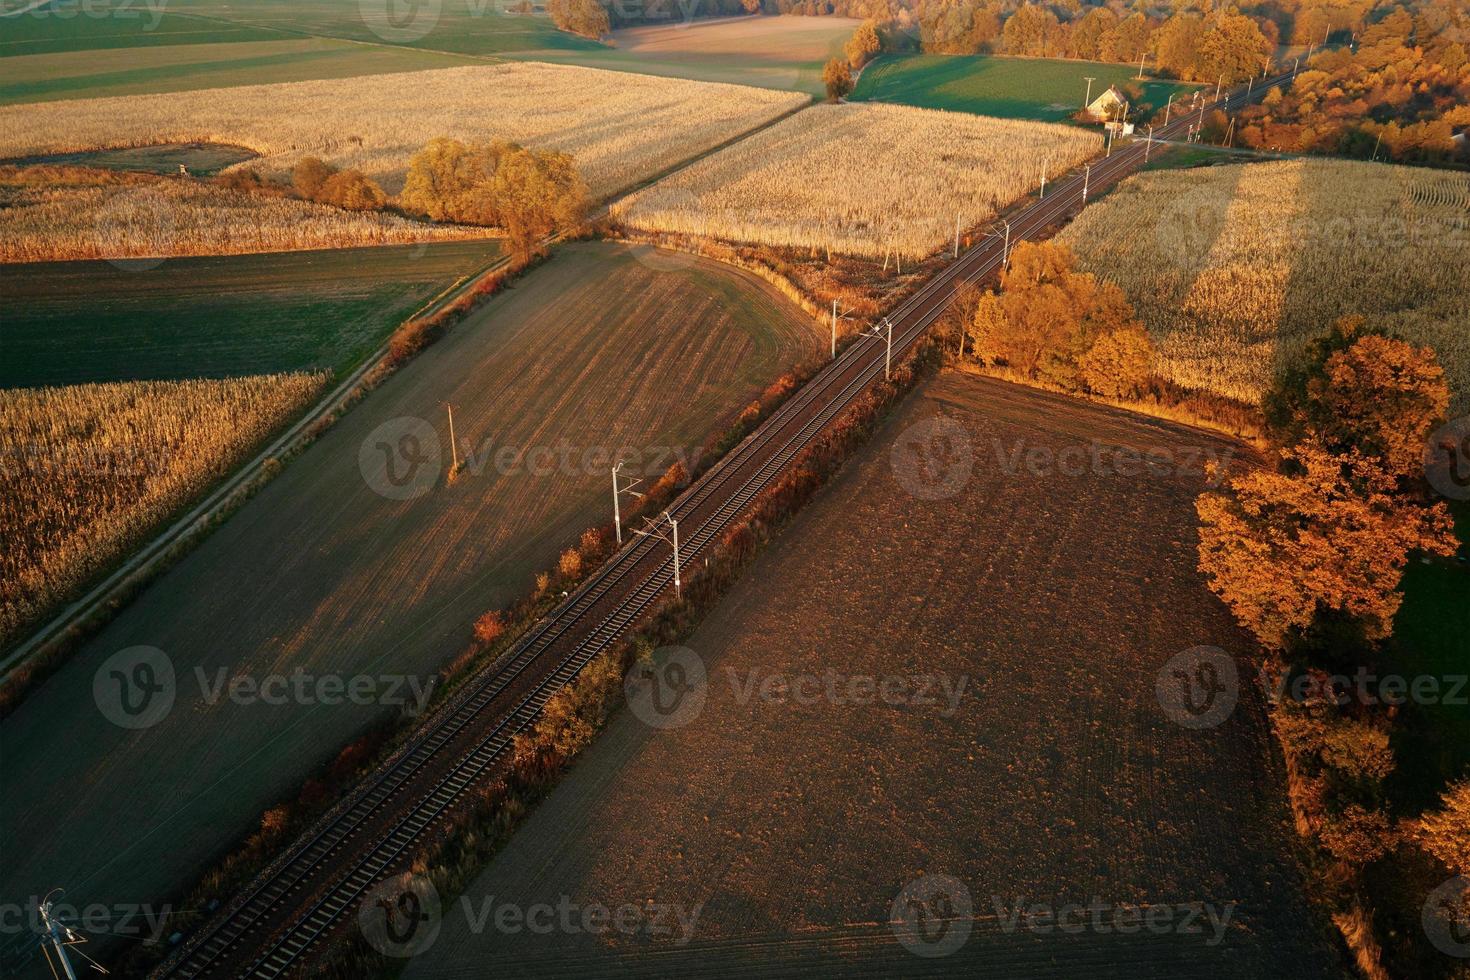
(1059, 595)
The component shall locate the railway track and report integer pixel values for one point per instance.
(280, 918)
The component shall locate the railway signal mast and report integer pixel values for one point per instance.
(617, 491)
(654, 529)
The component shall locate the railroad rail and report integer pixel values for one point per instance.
(275, 923)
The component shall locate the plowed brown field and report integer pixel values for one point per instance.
(1058, 591)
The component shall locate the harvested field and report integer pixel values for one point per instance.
(788, 829)
(51, 214)
(602, 347)
(218, 316)
(88, 471)
(870, 180)
(620, 127)
(771, 52)
(1235, 268)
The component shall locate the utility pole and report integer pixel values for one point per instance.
(1086, 179)
(1295, 65)
(956, 238)
(1005, 255)
(1219, 85)
(888, 354)
(618, 491)
(1169, 110)
(453, 446)
(1140, 65)
(1090, 80)
(1110, 141)
(834, 328)
(617, 512)
(1149, 145)
(58, 936)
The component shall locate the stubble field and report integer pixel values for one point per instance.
(327, 571)
(620, 127)
(789, 829)
(867, 180)
(1236, 268)
(771, 52)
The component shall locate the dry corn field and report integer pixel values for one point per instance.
(620, 127)
(56, 213)
(88, 471)
(860, 179)
(1235, 268)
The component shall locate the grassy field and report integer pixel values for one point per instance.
(793, 826)
(463, 26)
(1019, 88)
(875, 180)
(320, 573)
(114, 26)
(1430, 639)
(75, 322)
(769, 52)
(179, 67)
(1235, 268)
(621, 128)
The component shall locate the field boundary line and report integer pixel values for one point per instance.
(144, 561)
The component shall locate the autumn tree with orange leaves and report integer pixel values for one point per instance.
(1328, 533)
(1067, 328)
